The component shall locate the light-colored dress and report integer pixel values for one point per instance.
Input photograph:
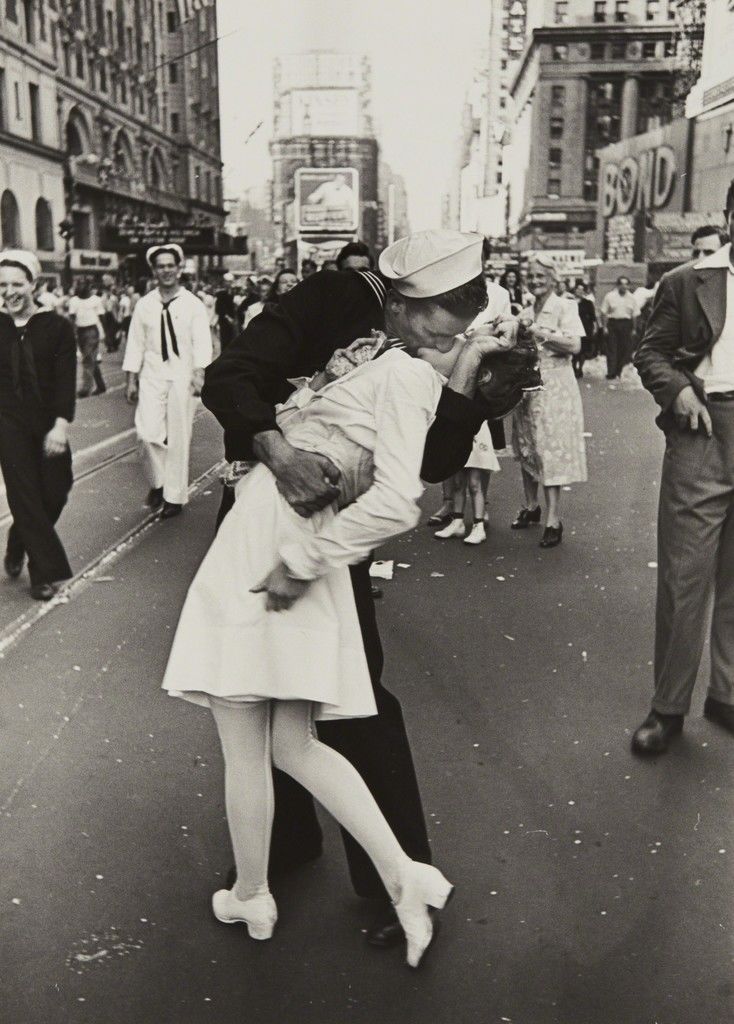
(372, 424)
(548, 425)
(482, 454)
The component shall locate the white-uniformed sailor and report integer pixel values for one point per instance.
(169, 344)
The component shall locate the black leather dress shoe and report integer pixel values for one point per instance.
(717, 711)
(155, 498)
(43, 591)
(525, 517)
(552, 536)
(170, 509)
(440, 519)
(656, 732)
(13, 567)
(387, 931)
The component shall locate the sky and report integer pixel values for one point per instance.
(422, 53)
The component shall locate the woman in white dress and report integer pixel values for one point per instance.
(268, 675)
(548, 425)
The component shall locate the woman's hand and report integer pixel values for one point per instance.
(498, 336)
(57, 439)
(282, 590)
(197, 382)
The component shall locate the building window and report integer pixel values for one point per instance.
(44, 226)
(619, 50)
(11, 10)
(9, 221)
(555, 158)
(29, 21)
(561, 12)
(99, 15)
(3, 113)
(560, 52)
(558, 95)
(78, 61)
(649, 51)
(123, 90)
(598, 51)
(18, 109)
(102, 76)
(670, 47)
(42, 23)
(197, 181)
(34, 106)
(173, 72)
(556, 127)
(652, 10)
(554, 187)
(603, 120)
(600, 11)
(654, 104)
(621, 10)
(175, 123)
(172, 20)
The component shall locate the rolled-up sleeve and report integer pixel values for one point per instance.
(405, 408)
(451, 436)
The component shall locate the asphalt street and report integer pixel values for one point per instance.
(592, 887)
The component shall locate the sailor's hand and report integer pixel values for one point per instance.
(56, 440)
(691, 413)
(131, 389)
(197, 382)
(281, 589)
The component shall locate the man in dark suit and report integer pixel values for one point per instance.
(686, 360)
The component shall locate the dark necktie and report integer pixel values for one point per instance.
(23, 365)
(166, 319)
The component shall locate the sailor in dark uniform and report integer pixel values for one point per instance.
(434, 284)
(37, 397)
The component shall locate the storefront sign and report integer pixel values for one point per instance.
(568, 262)
(327, 199)
(91, 260)
(645, 172)
(194, 239)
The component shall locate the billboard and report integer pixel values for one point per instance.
(327, 199)
(194, 239)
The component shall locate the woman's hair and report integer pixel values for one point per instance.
(83, 289)
(468, 300)
(273, 293)
(515, 289)
(547, 262)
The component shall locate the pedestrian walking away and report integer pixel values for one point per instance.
(85, 312)
(168, 346)
(686, 360)
(331, 310)
(618, 313)
(37, 394)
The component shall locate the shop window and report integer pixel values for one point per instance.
(44, 226)
(9, 221)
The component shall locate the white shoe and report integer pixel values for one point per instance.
(477, 535)
(420, 886)
(259, 913)
(455, 528)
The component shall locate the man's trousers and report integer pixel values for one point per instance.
(164, 422)
(378, 748)
(37, 487)
(696, 563)
(619, 346)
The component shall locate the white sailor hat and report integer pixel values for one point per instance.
(22, 258)
(430, 263)
(171, 247)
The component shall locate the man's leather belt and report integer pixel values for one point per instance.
(721, 396)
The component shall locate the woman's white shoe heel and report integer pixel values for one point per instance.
(259, 913)
(420, 886)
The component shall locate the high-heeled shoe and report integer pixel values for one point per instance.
(420, 886)
(259, 913)
(552, 536)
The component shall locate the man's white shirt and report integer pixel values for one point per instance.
(716, 369)
(143, 352)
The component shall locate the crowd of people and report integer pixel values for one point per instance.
(389, 366)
